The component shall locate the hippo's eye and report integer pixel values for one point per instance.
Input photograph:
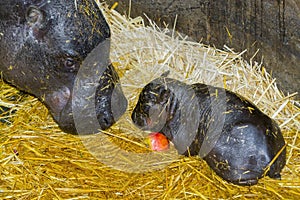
(70, 64)
(34, 16)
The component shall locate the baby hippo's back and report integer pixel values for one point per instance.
(248, 141)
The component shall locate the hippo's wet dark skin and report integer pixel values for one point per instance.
(240, 151)
(42, 46)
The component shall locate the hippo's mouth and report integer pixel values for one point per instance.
(59, 104)
(57, 101)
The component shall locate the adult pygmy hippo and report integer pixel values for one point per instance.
(42, 46)
(231, 134)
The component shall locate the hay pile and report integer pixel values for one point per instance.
(38, 161)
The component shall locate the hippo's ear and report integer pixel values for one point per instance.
(35, 17)
(37, 21)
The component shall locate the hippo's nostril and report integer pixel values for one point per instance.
(105, 123)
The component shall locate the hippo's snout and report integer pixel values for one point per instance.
(84, 110)
(110, 100)
(117, 104)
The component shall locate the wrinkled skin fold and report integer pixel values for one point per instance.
(231, 134)
(42, 46)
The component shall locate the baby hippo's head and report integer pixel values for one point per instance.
(153, 108)
(167, 106)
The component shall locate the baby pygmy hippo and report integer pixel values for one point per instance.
(232, 135)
